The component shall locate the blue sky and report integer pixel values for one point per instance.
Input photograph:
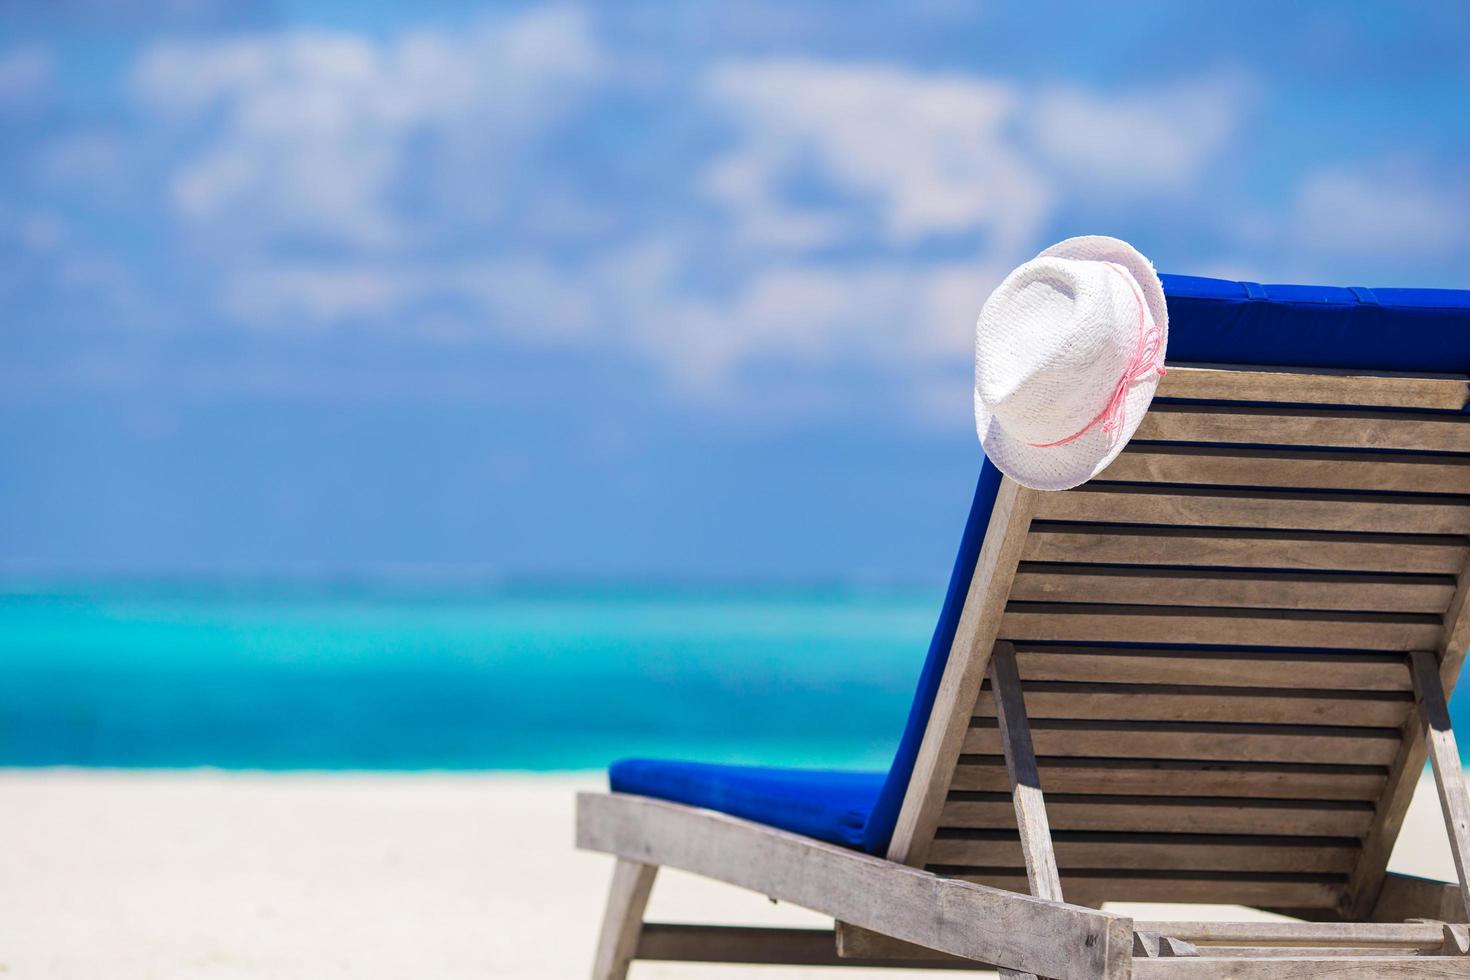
(634, 289)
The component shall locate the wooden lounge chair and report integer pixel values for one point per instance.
(1213, 674)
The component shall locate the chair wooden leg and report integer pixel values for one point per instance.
(1445, 760)
(1015, 740)
(1031, 822)
(623, 921)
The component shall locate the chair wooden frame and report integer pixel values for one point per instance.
(1223, 552)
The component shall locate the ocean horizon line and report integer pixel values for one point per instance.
(391, 579)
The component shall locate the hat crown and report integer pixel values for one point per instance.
(1052, 343)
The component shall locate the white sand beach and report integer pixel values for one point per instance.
(233, 875)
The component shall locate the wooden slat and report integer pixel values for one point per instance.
(1034, 835)
(1125, 503)
(900, 901)
(1158, 852)
(1258, 889)
(1293, 953)
(1057, 582)
(1305, 967)
(1161, 702)
(1344, 428)
(1089, 623)
(1226, 668)
(1157, 814)
(1320, 386)
(1424, 936)
(1242, 548)
(1295, 468)
(1179, 778)
(678, 942)
(1214, 742)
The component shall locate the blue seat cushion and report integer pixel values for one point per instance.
(828, 804)
(1210, 320)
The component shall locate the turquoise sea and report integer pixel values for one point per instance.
(415, 676)
(273, 675)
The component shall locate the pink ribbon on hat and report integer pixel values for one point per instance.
(1147, 359)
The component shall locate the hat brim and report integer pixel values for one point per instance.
(1074, 463)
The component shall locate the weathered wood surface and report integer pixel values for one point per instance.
(1405, 897)
(1163, 814)
(1303, 968)
(1291, 468)
(1226, 667)
(1058, 582)
(1048, 938)
(1322, 386)
(1203, 741)
(1162, 852)
(1449, 777)
(1285, 891)
(1423, 936)
(1034, 834)
(1154, 944)
(764, 945)
(1181, 778)
(1215, 775)
(853, 947)
(632, 881)
(1084, 622)
(1398, 937)
(1361, 897)
(1244, 548)
(965, 669)
(1290, 510)
(1456, 939)
(1311, 552)
(1279, 426)
(855, 942)
(1289, 952)
(1181, 703)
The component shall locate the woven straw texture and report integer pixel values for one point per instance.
(1051, 343)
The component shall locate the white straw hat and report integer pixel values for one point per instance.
(1069, 350)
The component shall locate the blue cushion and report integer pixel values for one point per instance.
(1210, 320)
(827, 804)
(1214, 320)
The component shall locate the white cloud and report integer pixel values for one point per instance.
(1142, 142)
(865, 209)
(1389, 212)
(898, 312)
(315, 128)
(929, 153)
(902, 157)
(26, 74)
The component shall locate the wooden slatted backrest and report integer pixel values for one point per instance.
(1212, 639)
